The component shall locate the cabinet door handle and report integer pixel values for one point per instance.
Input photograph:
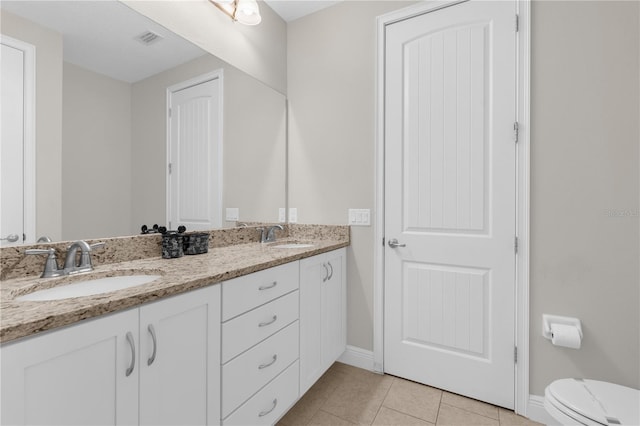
(271, 321)
(269, 364)
(273, 407)
(267, 287)
(132, 345)
(152, 331)
(326, 270)
(330, 275)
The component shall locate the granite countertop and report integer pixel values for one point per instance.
(23, 318)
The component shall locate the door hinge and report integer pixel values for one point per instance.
(382, 241)
(169, 112)
(516, 131)
(515, 354)
(515, 245)
(517, 22)
(170, 170)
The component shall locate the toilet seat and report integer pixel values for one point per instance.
(592, 402)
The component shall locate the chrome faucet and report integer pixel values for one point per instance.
(71, 266)
(269, 236)
(70, 263)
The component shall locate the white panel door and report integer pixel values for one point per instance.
(85, 374)
(195, 157)
(180, 359)
(450, 199)
(11, 147)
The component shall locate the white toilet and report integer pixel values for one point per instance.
(591, 402)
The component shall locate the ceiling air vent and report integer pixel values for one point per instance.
(148, 37)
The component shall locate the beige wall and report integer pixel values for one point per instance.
(584, 162)
(48, 119)
(96, 155)
(331, 91)
(254, 144)
(259, 50)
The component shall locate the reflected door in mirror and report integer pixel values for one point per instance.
(195, 154)
(13, 149)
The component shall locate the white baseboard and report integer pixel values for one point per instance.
(537, 412)
(357, 357)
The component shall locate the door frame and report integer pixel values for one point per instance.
(523, 11)
(203, 78)
(29, 135)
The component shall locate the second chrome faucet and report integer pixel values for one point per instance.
(268, 235)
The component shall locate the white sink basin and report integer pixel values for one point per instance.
(89, 287)
(292, 245)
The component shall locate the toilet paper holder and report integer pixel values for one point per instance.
(547, 320)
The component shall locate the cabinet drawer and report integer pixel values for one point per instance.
(244, 331)
(245, 293)
(268, 405)
(246, 374)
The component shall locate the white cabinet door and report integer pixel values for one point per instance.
(180, 358)
(312, 272)
(334, 309)
(322, 314)
(86, 374)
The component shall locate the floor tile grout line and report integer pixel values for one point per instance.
(467, 411)
(439, 405)
(409, 415)
(393, 379)
(334, 415)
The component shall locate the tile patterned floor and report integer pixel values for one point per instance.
(346, 395)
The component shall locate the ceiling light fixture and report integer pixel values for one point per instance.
(243, 11)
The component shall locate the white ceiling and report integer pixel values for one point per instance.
(290, 10)
(101, 36)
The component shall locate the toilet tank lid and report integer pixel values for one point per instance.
(602, 402)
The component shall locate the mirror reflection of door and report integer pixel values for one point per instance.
(194, 180)
(17, 158)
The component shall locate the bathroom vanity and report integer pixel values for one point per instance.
(234, 336)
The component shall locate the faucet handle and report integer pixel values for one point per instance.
(51, 265)
(99, 245)
(85, 256)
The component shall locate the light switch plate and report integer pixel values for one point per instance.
(359, 217)
(293, 215)
(232, 214)
(282, 215)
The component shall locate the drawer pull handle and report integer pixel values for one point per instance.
(133, 354)
(267, 287)
(273, 407)
(326, 270)
(269, 364)
(264, 324)
(152, 331)
(331, 274)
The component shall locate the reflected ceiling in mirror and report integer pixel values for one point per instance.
(108, 38)
(102, 121)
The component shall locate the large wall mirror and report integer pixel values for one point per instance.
(101, 121)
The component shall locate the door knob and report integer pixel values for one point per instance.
(12, 238)
(393, 243)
